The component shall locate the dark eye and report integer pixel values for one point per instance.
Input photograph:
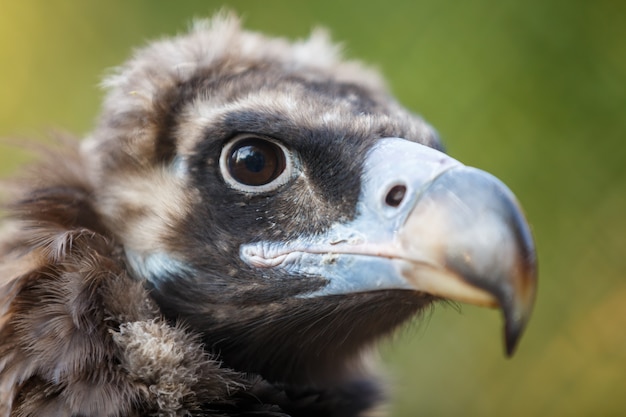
(255, 164)
(255, 161)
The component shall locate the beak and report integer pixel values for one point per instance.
(479, 249)
(425, 223)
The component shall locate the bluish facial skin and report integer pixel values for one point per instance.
(157, 267)
(449, 231)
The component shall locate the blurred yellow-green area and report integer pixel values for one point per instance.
(532, 91)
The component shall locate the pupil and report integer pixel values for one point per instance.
(253, 160)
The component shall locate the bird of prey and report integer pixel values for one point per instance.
(247, 218)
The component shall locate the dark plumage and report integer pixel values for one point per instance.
(241, 224)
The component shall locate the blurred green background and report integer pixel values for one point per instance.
(533, 91)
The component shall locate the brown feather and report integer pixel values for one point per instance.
(78, 336)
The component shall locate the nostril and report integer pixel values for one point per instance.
(395, 195)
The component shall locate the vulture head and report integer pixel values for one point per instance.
(266, 208)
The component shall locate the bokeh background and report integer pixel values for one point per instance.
(533, 91)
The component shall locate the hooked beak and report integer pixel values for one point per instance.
(426, 223)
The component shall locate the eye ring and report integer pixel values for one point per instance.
(256, 164)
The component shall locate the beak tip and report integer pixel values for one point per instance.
(515, 321)
(511, 338)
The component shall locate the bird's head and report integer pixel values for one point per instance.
(281, 203)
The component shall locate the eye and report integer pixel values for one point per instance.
(255, 161)
(255, 164)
